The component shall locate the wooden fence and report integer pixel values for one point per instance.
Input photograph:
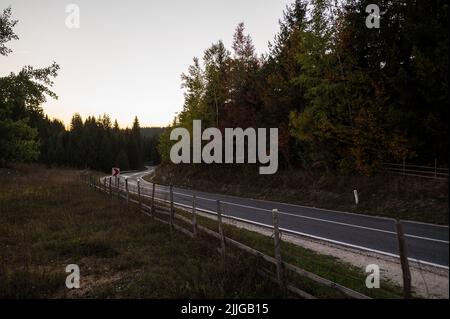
(432, 172)
(120, 188)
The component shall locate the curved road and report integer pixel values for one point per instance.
(426, 243)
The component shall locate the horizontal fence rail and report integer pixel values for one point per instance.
(162, 203)
(431, 172)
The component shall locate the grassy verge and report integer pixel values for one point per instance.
(48, 219)
(401, 197)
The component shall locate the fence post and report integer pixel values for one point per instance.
(126, 188)
(435, 167)
(404, 166)
(118, 187)
(139, 193)
(276, 238)
(104, 184)
(194, 216)
(153, 200)
(222, 236)
(403, 260)
(171, 207)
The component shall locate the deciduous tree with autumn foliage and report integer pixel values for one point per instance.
(344, 97)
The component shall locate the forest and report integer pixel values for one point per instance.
(344, 97)
(95, 143)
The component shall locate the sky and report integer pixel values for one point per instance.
(126, 57)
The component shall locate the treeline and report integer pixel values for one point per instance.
(343, 96)
(27, 134)
(95, 143)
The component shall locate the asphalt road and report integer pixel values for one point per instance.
(426, 243)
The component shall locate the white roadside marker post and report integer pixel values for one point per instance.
(355, 193)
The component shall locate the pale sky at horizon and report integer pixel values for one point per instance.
(127, 57)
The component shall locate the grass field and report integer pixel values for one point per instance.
(48, 219)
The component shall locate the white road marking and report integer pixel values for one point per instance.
(314, 237)
(314, 218)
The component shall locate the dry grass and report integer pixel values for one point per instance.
(48, 219)
(393, 196)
